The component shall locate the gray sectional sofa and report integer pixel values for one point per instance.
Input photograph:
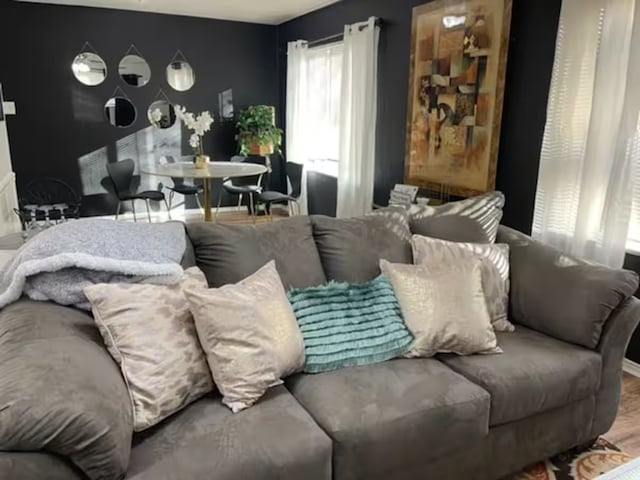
(65, 413)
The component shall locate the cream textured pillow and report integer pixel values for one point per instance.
(149, 331)
(249, 334)
(444, 307)
(495, 270)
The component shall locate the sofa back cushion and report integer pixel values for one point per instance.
(351, 249)
(61, 391)
(561, 295)
(229, 253)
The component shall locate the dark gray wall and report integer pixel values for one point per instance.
(531, 50)
(59, 120)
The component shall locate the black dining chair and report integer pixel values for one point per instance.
(185, 189)
(294, 175)
(181, 187)
(121, 175)
(251, 186)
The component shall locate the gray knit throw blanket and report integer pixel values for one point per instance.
(57, 264)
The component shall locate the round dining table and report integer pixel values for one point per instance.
(214, 170)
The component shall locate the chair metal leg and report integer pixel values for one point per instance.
(219, 203)
(133, 207)
(148, 210)
(269, 208)
(171, 194)
(253, 209)
(168, 208)
(240, 198)
(118, 209)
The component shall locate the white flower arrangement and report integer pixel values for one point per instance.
(199, 125)
(156, 116)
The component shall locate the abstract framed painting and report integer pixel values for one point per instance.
(458, 62)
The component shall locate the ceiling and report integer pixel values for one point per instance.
(271, 12)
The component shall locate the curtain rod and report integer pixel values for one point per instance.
(362, 25)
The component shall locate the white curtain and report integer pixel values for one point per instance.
(314, 82)
(297, 95)
(356, 167)
(590, 148)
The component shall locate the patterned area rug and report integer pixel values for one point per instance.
(588, 465)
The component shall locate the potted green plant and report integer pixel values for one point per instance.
(257, 131)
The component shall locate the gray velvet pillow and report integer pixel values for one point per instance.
(351, 249)
(229, 253)
(61, 391)
(473, 220)
(560, 295)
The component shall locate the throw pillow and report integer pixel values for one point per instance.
(474, 220)
(344, 325)
(249, 334)
(495, 270)
(444, 307)
(351, 249)
(149, 331)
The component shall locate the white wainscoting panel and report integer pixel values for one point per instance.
(9, 222)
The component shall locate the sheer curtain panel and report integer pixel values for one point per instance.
(590, 148)
(356, 166)
(297, 135)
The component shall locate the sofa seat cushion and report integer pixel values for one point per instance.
(274, 439)
(382, 417)
(37, 466)
(536, 373)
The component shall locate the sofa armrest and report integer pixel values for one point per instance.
(562, 296)
(613, 346)
(60, 391)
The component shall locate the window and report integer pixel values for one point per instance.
(322, 105)
(633, 237)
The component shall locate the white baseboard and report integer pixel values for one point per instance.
(632, 368)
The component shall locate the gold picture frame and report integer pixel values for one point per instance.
(456, 90)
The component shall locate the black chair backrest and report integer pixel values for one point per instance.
(294, 173)
(121, 174)
(252, 180)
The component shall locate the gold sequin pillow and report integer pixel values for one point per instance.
(443, 306)
(149, 331)
(250, 335)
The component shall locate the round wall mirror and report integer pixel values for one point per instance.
(180, 76)
(134, 70)
(161, 114)
(120, 112)
(89, 69)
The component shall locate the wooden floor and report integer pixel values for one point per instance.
(625, 432)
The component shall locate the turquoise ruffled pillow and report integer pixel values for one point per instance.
(344, 325)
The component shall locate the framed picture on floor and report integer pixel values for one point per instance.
(456, 88)
(1, 105)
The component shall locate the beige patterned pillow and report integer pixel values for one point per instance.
(149, 331)
(443, 307)
(250, 335)
(495, 270)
